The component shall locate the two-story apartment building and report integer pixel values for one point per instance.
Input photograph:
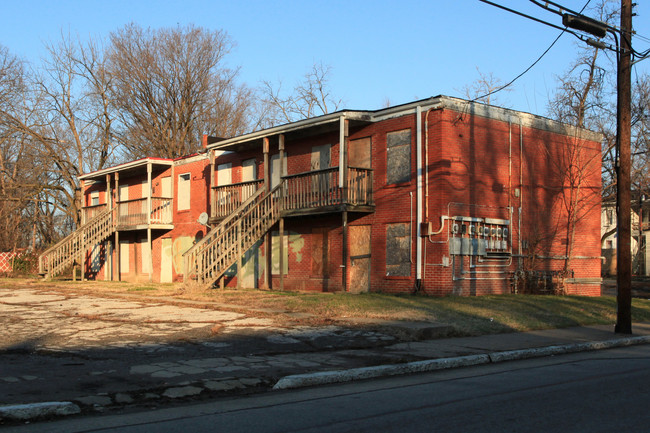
(442, 196)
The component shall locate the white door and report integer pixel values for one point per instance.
(276, 176)
(248, 170)
(125, 258)
(224, 174)
(145, 257)
(166, 261)
(166, 185)
(247, 175)
(123, 196)
(224, 177)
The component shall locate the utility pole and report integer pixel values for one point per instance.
(623, 188)
(576, 20)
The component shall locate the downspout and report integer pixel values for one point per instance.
(342, 150)
(419, 197)
(521, 186)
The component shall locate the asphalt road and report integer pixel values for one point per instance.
(600, 391)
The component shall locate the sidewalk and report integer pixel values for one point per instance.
(100, 379)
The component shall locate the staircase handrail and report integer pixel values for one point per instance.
(70, 238)
(225, 252)
(223, 225)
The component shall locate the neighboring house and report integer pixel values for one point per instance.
(441, 196)
(638, 240)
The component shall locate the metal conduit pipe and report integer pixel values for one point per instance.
(419, 191)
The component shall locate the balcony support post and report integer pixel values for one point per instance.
(344, 254)
(343, 157)
(118, 251)
(108, 266)
(149, 209)
(213, 192)
(268, 265)
(281, 237)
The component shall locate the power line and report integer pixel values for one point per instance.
(563, 30)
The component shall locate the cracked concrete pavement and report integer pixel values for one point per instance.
(108, 349)
(64, 352)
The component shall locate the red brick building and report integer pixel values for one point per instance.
(137, 220)
(442, 196)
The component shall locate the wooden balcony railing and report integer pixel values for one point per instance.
(90, 212)
(227, 198)
(135, 212)
(320, 188)
(308, 190)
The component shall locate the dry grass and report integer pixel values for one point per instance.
(468, 315)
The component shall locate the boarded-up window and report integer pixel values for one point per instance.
(184, 191)
(398, 259)
(359, 153)
(319, 253)
(398, 159)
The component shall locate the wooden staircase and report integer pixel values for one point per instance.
(72, 248)
(224, 245)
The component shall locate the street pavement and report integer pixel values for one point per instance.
(64, 353)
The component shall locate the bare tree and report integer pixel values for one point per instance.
(171, 85)
(310, 97)
(21, 175)
(483, 89)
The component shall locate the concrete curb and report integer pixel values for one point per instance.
(23, 412)
(339, 376)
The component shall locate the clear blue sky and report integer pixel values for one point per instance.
(379, 50)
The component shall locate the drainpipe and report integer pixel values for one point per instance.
(419, 198)
(149, 208)
(342, 150)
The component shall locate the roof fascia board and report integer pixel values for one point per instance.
(126, 166)
(527, 120)
(291, 127)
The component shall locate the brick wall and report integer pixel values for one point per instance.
(475, 169)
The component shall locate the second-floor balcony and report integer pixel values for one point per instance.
(90, 212)
(134, 214)
(305, 193)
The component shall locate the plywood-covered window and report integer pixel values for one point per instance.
(398, 157)
(184, 189)
(319, 253)
(398, 246)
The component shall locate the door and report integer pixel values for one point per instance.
(166, 260)
(320, 157)
(225, 196)
(125, 257)
(123, 206)
(359, 156)
(320, 160)
(359, 248)
(166, 206)
(145, 256)
(247, 175)
(276, 176)
(166, 186)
